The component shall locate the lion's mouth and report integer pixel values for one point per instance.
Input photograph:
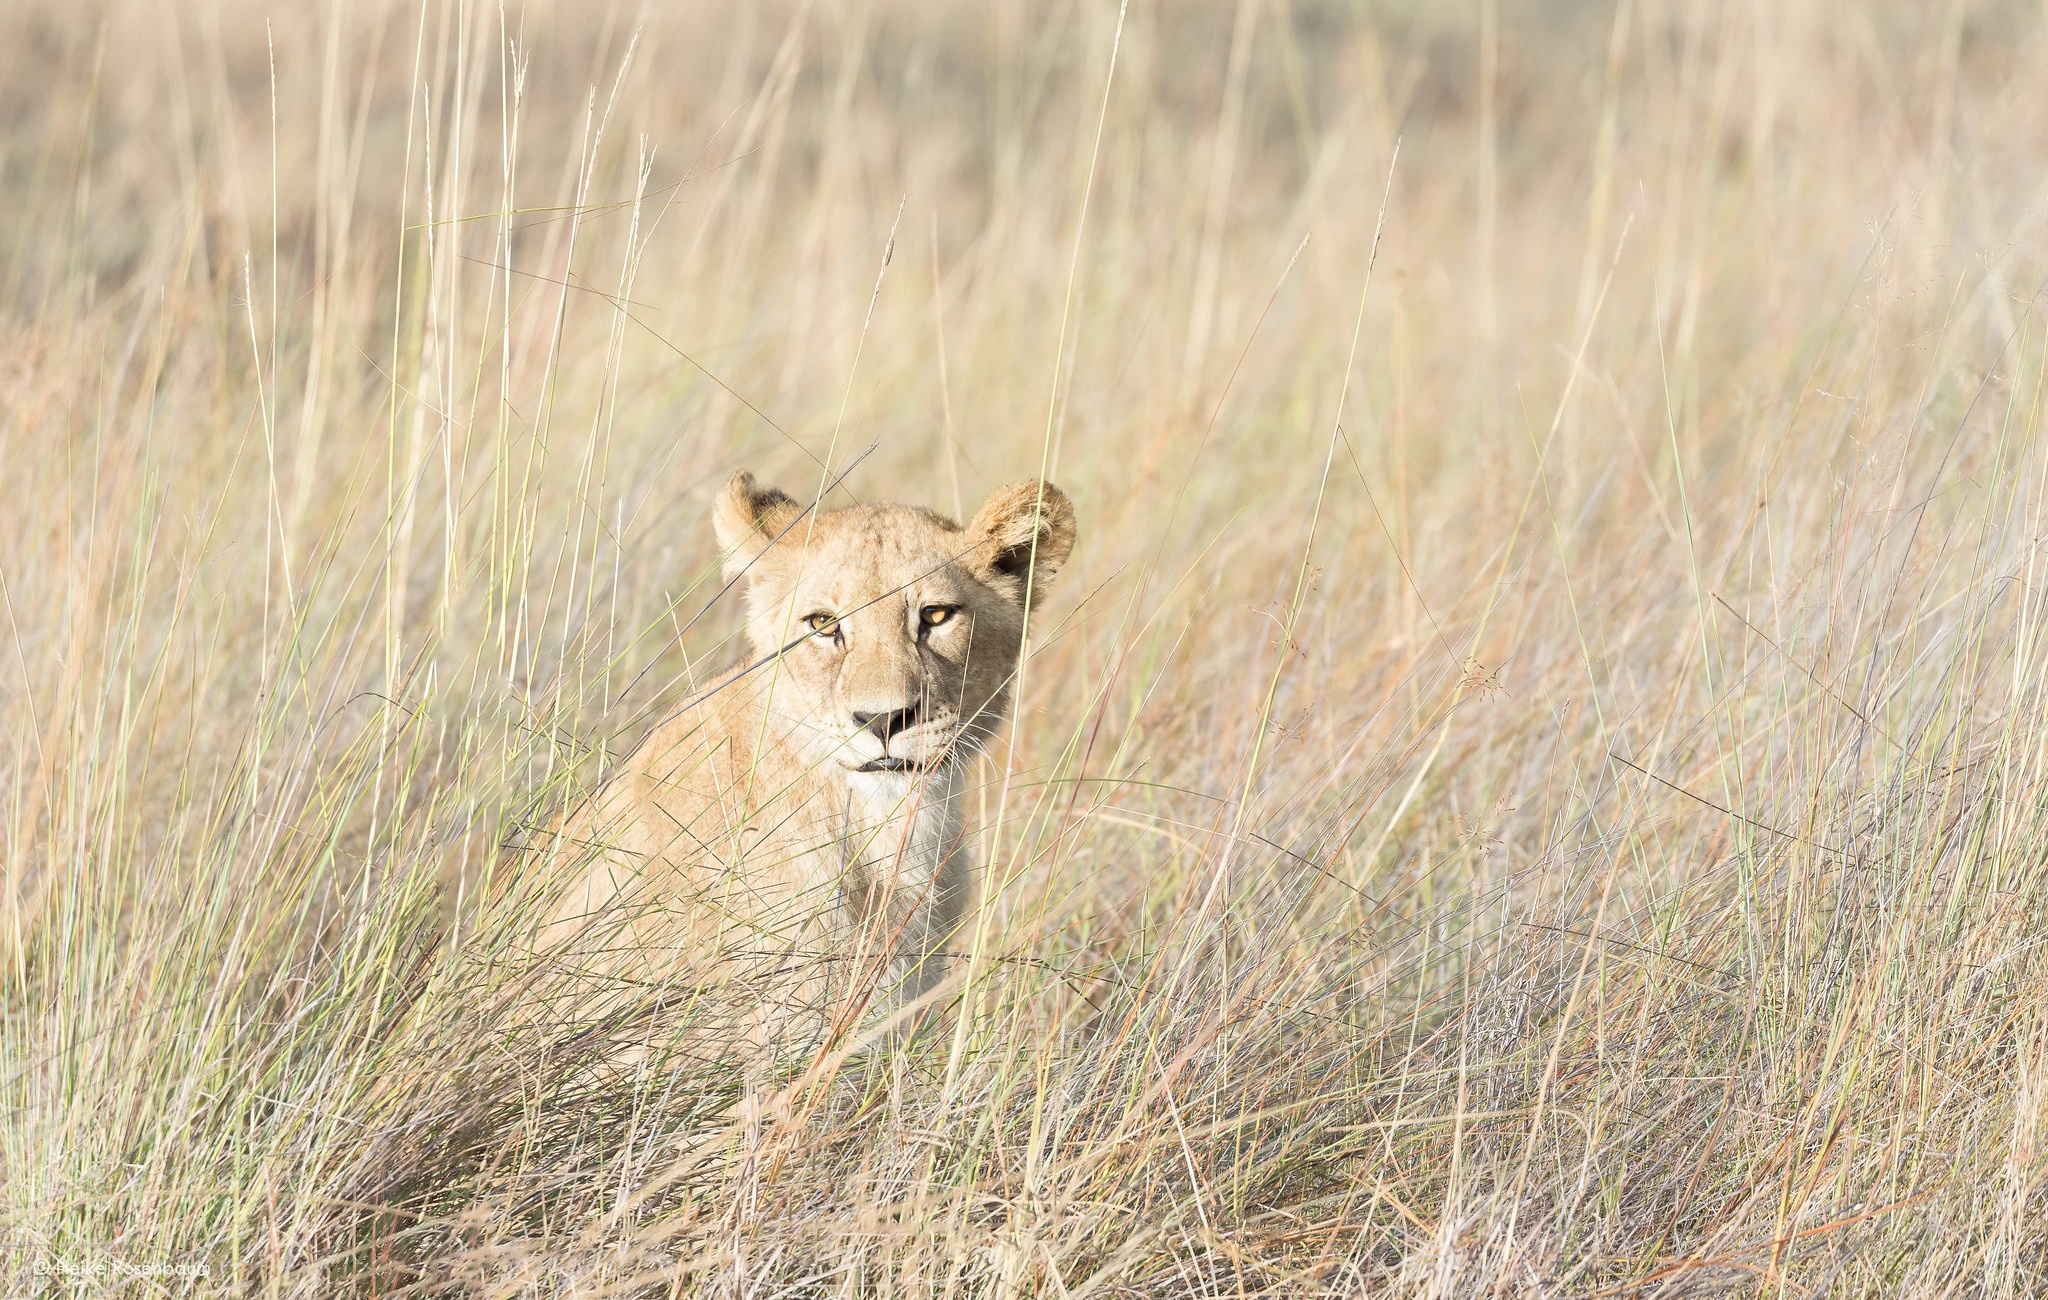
(887, 764)
(931, 761)
(929, 752)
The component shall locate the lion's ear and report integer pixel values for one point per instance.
(1022, 533)
(747, 517)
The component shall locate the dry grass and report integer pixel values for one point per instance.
(1578, 832)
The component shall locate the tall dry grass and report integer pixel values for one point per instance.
(1550, 804)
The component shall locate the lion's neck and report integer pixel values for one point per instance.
(906, 874)
(905, 825)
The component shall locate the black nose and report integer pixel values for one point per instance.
(884, 725)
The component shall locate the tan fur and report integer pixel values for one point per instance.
(757, 843)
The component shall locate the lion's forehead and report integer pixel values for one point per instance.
(865, 555)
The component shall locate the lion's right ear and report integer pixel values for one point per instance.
(1022, 533)
(747, 518)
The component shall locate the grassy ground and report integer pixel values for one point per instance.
(1533, 784)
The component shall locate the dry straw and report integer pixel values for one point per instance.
(1573, 827)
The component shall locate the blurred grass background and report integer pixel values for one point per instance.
(1550, 804)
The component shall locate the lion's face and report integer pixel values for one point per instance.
(895, 632)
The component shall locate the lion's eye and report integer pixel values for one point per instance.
(933, 615)
(822, 623)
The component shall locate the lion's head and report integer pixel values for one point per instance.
(895, 632)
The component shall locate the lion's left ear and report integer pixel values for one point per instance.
(1023, 532)
(747, 517)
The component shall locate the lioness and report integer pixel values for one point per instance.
(793, 839)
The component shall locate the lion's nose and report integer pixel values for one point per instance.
(884, 725)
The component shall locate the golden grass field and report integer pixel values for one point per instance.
(1534, 783)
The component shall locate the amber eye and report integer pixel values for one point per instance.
(933, 615)
(822, 623)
